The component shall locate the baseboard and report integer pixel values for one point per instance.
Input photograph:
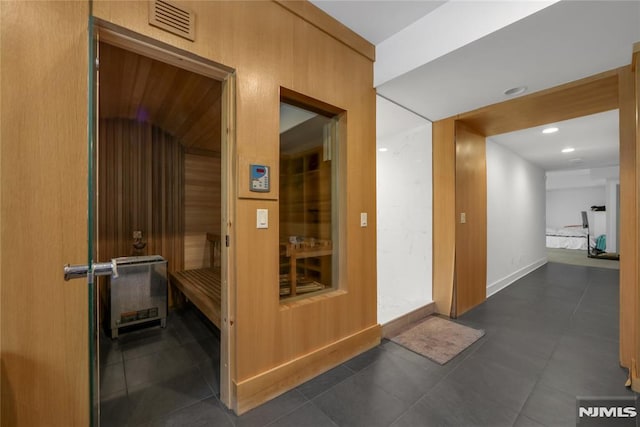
(506, 281)
(397, 325)
(265, 386)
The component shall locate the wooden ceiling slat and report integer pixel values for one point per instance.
(184, 104)
(142, 76)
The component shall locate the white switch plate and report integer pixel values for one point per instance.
(363, 219)
(262, 218)
(463, 218)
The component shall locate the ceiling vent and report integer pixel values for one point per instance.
(173, 18)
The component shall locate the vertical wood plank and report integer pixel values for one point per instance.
(138, 161)
(628, 217)
(471, 237)
(444, 205)
(44, 365)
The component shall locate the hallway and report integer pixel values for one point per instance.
(551, 336)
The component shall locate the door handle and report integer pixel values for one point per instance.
(109, 268)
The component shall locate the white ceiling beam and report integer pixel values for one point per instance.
(449, 27)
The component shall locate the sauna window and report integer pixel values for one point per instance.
(308, 239)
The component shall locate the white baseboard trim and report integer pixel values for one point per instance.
(397, 325)
(506, 281)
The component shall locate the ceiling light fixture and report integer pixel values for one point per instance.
(515, 91)
(550, 130)
(568, 150)
(382, 150)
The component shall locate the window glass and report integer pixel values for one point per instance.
(308, 202)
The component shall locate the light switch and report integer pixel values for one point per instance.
(363, 219)
(262, 218)
(463, 218)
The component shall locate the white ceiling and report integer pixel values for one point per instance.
(562, 42)
(594, 137)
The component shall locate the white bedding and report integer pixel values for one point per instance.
(568, 238)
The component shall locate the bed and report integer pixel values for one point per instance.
(202, 286)
(569, 237)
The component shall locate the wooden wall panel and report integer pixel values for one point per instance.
(628, 219)
(140, 188)
(633, 312)
(583, 97)
(270, 47)
(202, 188)
(43, 209)
(444, 214)
(470, 282)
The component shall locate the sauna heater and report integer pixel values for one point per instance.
(139, 292)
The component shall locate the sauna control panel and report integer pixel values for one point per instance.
(259, 180)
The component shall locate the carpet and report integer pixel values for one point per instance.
(438, 339)
(577, 257)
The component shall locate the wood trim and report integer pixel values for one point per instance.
(470, 284)
(634, 315)
(155, 49)
(228, 291)
(444, 213)
(590, 95)
(399, 324)
(319, 19)
(269, 384)
(628, 219)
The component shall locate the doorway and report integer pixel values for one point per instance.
(162, 192)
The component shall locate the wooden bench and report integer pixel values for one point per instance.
(202, 286)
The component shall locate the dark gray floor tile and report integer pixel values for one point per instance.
(115, 412)
(203, 350)
(162, 398)
(355, 402)
(551, 407)
(157, 367)
(112, 380)
(524, 421)
(452, 405)
(210, 371)
(527, 353)
(110, 351)
(189, 325)
(308, 415)
(272, 410)
(574, 378)
(152, 343)
(365, 359)
(490, 378)
(599, 325)
(400, 378)
(208, 412)
(325, 381)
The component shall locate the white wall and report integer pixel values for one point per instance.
(515, 217)
(573, 191)
(404, 203)
(564, 206)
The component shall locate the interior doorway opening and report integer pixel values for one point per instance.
(161, 197)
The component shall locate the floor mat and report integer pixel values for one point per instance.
(438, 339)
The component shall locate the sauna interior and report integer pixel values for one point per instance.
(159, 180)
(307, 181)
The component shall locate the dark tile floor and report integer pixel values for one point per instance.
(551, 336)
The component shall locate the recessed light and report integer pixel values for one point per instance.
(382, 150)
(550, 130)
(515, 90)
(568, 150)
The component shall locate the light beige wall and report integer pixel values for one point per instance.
(43, 182)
